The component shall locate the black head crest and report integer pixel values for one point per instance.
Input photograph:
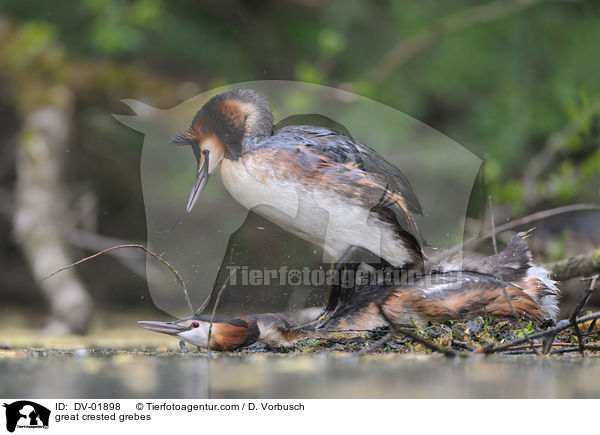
(183, 138)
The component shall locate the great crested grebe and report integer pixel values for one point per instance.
(437, 297)
(259, 166)
(369, 201)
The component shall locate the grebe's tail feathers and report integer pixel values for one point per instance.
(511, 264)
(515, 265)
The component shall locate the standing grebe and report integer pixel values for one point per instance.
(369, 201)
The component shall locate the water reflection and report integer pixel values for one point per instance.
(315, 376)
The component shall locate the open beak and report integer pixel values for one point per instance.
(201, 179)
(168, 328)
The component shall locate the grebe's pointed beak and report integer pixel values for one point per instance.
(188, 138)
(169, 328)
(199, 183)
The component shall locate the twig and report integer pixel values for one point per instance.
(178, 278)
(517, 352)
(415, 337)
(516, 316)
(561, 326)
(493, 225)
(582, 302)
(554, 352)
(214, 310)
(206, 301)
(514, 313)
(576, 348)
(94, 242)
(528, 346)
(353, 330)
(428, 344)
(462, 345)
(592, 324)
(547, 343)
(534, 217)
(373, 347)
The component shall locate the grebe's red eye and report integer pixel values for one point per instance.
(205, 153)
(195, 324)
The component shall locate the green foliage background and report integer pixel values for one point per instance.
(501, 88)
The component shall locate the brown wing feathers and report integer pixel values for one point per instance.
(370, 190)
(403, 305)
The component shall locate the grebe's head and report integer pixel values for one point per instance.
(219, 130)
(227, 333)
(192, 329)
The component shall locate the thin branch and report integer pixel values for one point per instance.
(534, 217)
(372, 348)
(428, 344)
(207, 299)
(576, 348)
(178, 278)
(548, 343)
(540, 215)
(462, 345)
(591, 327)
(582, 302)
(515, 315)
(555, 351)
(414, 336)
(95, 242)
(560, 326)
(493, 225)
(214, 310)
(528, 347)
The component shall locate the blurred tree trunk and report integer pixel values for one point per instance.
(45, 83)
(40, 208)
(44, 103)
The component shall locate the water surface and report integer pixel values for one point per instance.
(131, 375)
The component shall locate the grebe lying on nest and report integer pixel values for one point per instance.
(477, 289)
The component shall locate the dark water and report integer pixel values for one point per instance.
(315, 376)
